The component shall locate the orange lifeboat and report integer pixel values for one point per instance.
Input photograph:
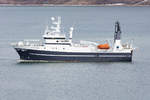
(103, 46)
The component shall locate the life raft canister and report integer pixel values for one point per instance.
(103, 46)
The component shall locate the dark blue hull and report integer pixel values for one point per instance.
(38, 55)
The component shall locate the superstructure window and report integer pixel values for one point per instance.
(52, 38)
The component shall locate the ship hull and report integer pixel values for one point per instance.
(55, 56)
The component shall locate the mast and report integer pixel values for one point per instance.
(117, 34)
(56, 28)
(117, 37)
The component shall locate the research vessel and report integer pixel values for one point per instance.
(58, 47)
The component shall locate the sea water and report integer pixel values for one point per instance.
(75, 81)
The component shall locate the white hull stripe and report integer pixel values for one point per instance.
(81, 55)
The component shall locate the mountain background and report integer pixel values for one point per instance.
(77, 2)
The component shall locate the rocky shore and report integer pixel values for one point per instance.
(74, 2)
